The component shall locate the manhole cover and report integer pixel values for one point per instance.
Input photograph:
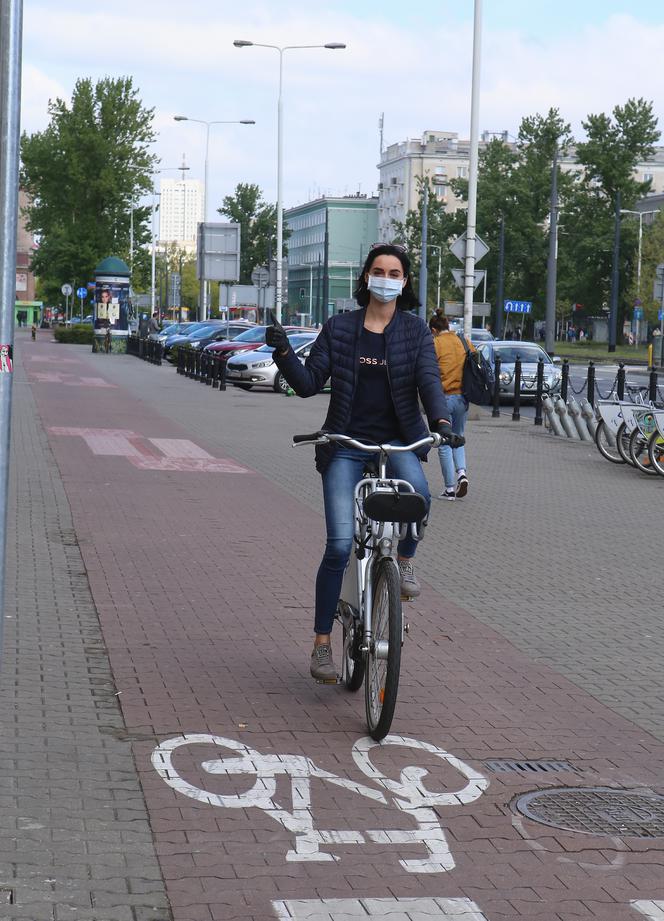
(597, 811)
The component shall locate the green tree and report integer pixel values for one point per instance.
(82, 174)
(258, 227)
(608, 157)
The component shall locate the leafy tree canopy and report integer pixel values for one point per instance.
(82, 174)
(258, 227)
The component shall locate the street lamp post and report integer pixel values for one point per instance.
(200, 121)
(471, 230)
(239, 43)
(435, 246)
(640, 215)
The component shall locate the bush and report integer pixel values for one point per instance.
(81, 333)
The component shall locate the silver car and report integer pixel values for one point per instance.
(530, 353)
(257, 369)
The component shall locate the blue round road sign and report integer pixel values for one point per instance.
(81, 292)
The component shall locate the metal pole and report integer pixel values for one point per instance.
(469, 280)
(424, 273)
(615, 280)
(311, 293)
(131, 238)
(440, 249)
(552, 264)
(202, 281)
(326, 266)
(280, 213)
(11, 24)
(500, 297)
(638, 261)
(154, 251)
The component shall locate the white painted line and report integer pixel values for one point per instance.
(392, 909)
(651, 908)
(187, 464)
(180, 447)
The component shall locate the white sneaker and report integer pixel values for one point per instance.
(448, 494)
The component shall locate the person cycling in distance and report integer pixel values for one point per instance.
(378, 359)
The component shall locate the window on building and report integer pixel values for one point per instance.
(462, 172)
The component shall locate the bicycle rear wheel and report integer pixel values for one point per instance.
(638, 451)
(656, 452)
(622, 443)
(606, 444)
(353, 658)
(384, 657)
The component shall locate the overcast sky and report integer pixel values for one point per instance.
(410, 61)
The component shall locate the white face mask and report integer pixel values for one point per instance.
(385, 289)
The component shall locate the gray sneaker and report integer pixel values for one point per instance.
(410, 587)
(322, 666)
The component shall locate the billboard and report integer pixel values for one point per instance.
(218, 252)
(112, 305)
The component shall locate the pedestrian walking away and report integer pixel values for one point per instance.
(377, 359)
(154, 326)
(451, 356)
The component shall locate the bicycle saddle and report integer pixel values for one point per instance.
(402, 507)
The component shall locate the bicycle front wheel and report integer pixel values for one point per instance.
(384, 656)
(622, 443)
(606, 444)
(638, 451)
(656, 452)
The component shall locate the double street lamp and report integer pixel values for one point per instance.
(640, 215)
(185, 118)
(332, 46)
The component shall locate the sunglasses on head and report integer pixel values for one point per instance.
(398, 246)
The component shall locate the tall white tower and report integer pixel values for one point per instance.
(180, 211)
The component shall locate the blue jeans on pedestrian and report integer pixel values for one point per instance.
(453, 459)
(339, 481)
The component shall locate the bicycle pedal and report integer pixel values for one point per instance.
(408, 598)
(336, 680)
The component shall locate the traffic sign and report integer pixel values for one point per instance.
(81, 292)
(518, 306)
(660, 315)
(66, 290)
(458, 247)
(260, 276)
(638, 313)
(460, 277)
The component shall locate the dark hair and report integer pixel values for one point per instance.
(439, 322)
(407, 299)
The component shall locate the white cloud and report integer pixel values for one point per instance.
(418, 76)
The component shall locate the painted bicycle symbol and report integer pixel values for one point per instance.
(409, 794)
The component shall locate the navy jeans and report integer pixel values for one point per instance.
(339, 480)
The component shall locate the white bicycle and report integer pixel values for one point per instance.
(369, 608)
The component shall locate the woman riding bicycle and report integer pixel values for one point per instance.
(378, 359)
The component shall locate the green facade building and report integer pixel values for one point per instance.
(328, 243)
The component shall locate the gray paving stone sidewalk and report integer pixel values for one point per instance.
(75, 837)
(554, 547)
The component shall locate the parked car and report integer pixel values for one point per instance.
(172, 329)
(477, 334)
(257, 369)
(202, 328)
(247, 341)
(530, 353)
(217, 331)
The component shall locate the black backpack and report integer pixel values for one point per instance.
(478, 379)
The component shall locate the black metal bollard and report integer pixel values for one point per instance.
(141, 348)
(215, 372)
(208, 369)
(620, 387)
(160, 352)
(222, 374)
(180, 362)
(564, 380)
(197, 366)
(516, 412)
(539, 391)
(496, 388)
(591, 383)
(652, 386)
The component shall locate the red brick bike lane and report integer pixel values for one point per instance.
(266, 799)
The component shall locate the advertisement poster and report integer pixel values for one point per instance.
(111, 306)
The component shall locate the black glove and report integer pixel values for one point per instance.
(276, 337)
(444, 429)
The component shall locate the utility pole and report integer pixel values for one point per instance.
(471, 229)
(326, 265)
(615, 279)
(500, 295)
(11, 27)
(424, 269)
(552, 263)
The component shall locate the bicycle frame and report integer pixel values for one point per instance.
(373, 540)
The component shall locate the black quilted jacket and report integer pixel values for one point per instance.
(412, 368)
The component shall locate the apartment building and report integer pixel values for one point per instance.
(180, 212)
(442, 156)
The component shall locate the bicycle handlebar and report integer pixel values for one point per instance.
(321, 438)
